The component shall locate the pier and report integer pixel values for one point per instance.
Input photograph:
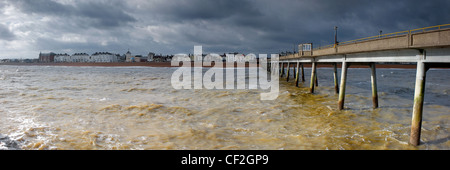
(428, 47)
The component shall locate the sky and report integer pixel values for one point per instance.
(28, 27)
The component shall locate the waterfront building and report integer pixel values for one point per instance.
(98, 57)
(121, 58)
(80, 57)
(46, 57)
(60, 58)
(129, 57)
(103, 57)
(161, 58)
(150, 56)
(137, 58)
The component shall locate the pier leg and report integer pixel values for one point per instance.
(416, 123)
(297, 78)
(336, 87)
(288, 71)
(313, 77)
(342, 86)
(270, 69)
(282, 70)
(374, 85)
(294, 71)
(279, 69)
(303, 74)
(317, 80)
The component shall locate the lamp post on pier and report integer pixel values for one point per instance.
(335, 36)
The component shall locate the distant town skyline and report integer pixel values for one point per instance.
(28, 27)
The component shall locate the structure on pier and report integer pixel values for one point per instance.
(428, 47)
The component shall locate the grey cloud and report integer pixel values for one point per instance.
(5, 34)
(93, 13)
(187, 10)
(106, 15)
(42, 7)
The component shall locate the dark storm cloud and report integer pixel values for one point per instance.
(313, 20)
(93, 13)
(187, 10)
(264, 26)
(105, 14)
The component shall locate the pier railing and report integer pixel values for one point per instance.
(418, 30)
(414, 38)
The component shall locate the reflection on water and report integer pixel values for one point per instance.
(44, 107)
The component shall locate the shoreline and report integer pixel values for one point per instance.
(168, 64)
(121, 64)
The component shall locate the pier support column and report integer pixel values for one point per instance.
(270, 69)
(303, 74)
(317, 80)
(313, 77)
(297, 78)
(288, 71)
(374, 85)
(416, 123)
(342, 86)
(336, 86)
(279, 69)
(282, 70)
(294, 72)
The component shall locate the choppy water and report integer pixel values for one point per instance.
(46, 107)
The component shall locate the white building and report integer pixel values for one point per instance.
(103, 57)
(80, 57)
(98, 57)
(60, 58)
